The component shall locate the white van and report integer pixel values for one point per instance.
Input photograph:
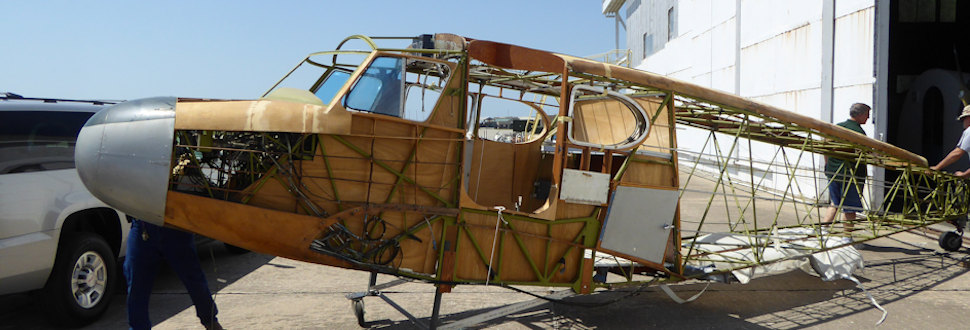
(54, 235)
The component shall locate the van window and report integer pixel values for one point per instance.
(38, 140)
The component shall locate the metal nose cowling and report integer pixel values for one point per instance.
(123, 156)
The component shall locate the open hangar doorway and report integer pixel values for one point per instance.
(927, 45)
(921, 48)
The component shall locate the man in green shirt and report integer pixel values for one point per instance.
(847, 176)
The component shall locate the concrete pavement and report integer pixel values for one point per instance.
(918, 286)
(906, 273)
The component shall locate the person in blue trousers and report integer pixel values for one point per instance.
(148, 245)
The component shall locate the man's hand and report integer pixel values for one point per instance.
(950, 158)
(963, 174)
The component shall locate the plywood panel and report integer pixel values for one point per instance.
(491, 173)
(603, 121)
(504, 172)
(526, 166)
(246, 226)
(416, 255)
(509, 258)
(570, 210)
(260, 116)
(658, 139)
(271, 194)
(649, 174)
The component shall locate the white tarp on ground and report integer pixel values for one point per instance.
(790, 247)
(787, 245)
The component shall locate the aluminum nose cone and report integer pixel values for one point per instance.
(123, 156)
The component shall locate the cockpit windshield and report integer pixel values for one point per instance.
(331, 84)
(323, 74)
(400, 86)
(379, 88)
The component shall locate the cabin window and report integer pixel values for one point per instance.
(671, 24)
(605, 119)
(424, 83)
(379, 88)
(510, 121)
(647, 45)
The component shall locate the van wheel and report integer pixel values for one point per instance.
(83, 278)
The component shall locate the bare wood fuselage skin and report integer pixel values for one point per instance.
(409, 175)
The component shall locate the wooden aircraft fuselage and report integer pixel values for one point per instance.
(433, 189)
(343, 170)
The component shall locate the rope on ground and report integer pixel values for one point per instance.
(679, 300)
(873, 300)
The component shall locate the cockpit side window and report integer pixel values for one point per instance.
(425, 81)
(331, 85)
(389, 87)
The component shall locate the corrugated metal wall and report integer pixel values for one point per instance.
(650, 19)
(780, 46)
(768, 50)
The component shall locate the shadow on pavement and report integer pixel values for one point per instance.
(169, 297)
(786, 301)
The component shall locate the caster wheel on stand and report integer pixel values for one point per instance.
(358, 306)
(951, 241)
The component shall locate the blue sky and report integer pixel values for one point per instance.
(238, 49)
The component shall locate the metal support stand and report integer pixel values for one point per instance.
(357, 301)
(436, 309)
(374, 290)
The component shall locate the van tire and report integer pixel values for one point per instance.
(82, 281)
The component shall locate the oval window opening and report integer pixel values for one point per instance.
(608, 120)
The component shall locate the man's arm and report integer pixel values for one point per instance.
(949, 159)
